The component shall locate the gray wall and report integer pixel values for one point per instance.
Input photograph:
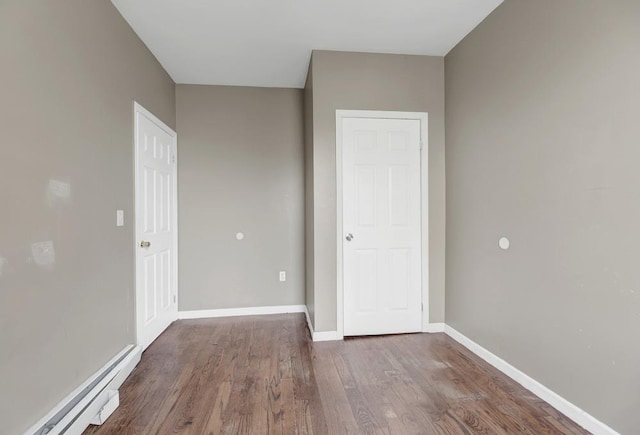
(543, 147)
(240, 169)
(308, 195)
(373, 82)
(70, 72)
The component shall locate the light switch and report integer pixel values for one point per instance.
(283, 276)
(119, 218)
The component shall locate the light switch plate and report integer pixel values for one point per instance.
(119, 218)
(283, 276)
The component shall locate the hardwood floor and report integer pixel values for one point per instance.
(263, 375)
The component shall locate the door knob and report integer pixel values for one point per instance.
(349, 237)
(144, 244)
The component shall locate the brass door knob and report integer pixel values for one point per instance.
(144, 244)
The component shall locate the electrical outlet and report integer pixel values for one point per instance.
(283, 276)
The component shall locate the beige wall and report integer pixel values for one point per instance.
(240, 169)
(308, 195)
(543, 147)
(361, 81)
(70, 72)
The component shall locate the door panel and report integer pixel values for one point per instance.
(155, 210)
(382, 210)
(399, 261)
(366, 195)
(398, 196)
(149, 285)
(366, 260)
(165, 279)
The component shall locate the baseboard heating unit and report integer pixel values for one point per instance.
(93, 401)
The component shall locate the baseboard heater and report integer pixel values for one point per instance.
(93, 401)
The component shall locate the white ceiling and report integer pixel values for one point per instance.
(269, 42)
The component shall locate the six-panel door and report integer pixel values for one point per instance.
(381, 226)
(155, 228)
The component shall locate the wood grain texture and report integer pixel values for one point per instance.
(263, 375)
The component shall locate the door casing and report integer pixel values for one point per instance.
(423, 117)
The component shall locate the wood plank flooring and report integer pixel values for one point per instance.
(263, 375)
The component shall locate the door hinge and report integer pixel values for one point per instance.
(421, 144)
(173, 159)
(175, 299)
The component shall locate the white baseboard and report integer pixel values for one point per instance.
(326, 336)
(320, 335)
(573, 412)
(433, 327)
(248, 311)
(78, 418)
(306, 315)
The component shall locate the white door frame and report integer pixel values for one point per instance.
(139, 109)
(423, 117)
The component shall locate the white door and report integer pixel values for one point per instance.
(156, 231)
(381, 226)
